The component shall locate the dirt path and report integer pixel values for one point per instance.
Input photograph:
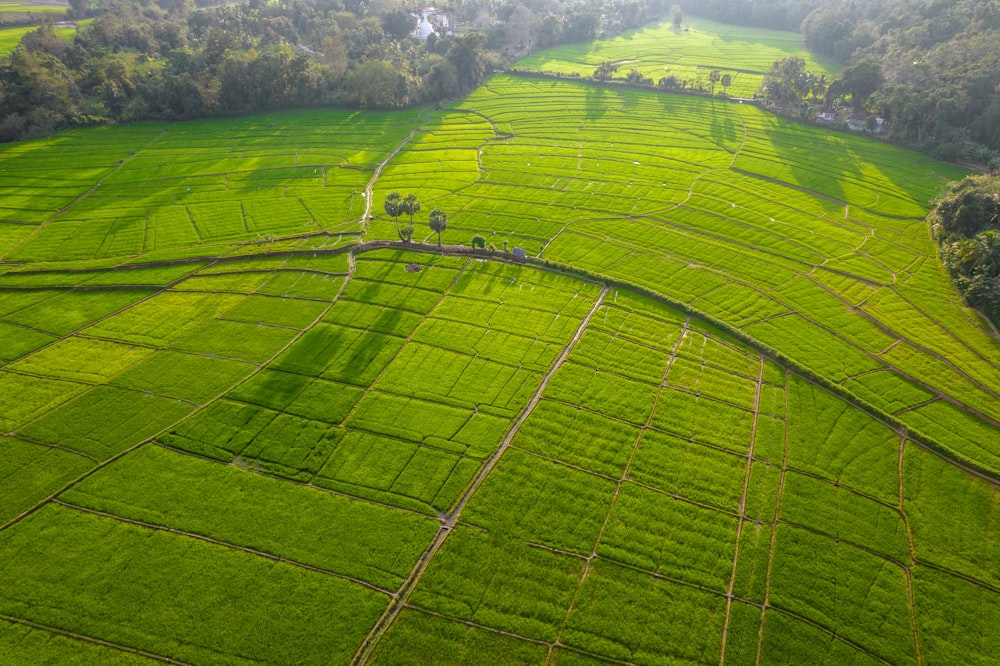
(369, 188)
(451, 519)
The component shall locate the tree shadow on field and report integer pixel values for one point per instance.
(723, 129)
(596, 103)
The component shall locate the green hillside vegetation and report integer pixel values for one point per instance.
(729, 410)
(688, 54)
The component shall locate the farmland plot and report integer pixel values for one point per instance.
(401, 453)
(662, 50)
(663, 461)
(805, 240)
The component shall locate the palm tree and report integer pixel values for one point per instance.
(726, 81)
(394, 208)
(439, 222)
(411, 207)
(713, 78)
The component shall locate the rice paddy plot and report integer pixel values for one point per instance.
(319, 400)
(953, 516)
(536, 501)
(106, 420)
(74, 560)
(853, 593)
(844, 515)
(82, 360)
(24, 398)
(191, 377)
(398, 473)
(164, 319)
(67, 311)
(955, 617)
(331, 532)
(655, 532)
(486, 578)
(31, 472)
(242, 341)
(577, 437)
(446, 642)
(661, 621)
(786, 638)
(21, 642)
(458, 429)
(603, 393)
(340, 354)
(433, 373)
(826, 436)
(682, 468)
(704, 420)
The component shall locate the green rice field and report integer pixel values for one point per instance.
(729, 411)
(689, 54)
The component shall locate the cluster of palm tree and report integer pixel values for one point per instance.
(397, 206)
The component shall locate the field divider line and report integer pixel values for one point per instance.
(90, 639)
(830, 632)
(219, 542)
(741, 520)
(451, 519)
(152, 438)
(774, 531)
(912, 550)
(958, 574)
(618, 487)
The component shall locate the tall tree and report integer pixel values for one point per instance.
(726, 81)
(438, 222)
(410, 206)
(713, 78)
(394, 208)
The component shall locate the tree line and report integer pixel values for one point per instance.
(175, 59)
